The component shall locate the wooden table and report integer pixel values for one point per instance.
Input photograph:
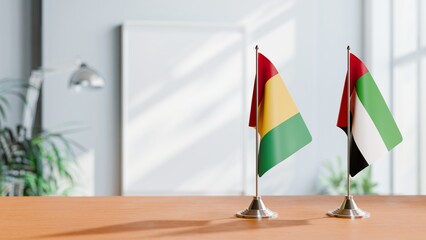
(300, 217)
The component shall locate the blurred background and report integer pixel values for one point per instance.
(172, 116)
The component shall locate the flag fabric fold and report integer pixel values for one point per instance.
(374, 131)
(281, 128)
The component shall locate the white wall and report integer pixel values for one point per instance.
(306, 40)
(15, 47)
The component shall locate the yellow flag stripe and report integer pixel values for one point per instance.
(276, 107)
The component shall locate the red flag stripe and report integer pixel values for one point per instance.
(357, 70)
(266, 71)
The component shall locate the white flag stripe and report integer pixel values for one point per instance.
(366, 135)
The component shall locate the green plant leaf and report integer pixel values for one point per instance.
(45, 159)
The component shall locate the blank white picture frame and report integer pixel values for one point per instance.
(183, 109)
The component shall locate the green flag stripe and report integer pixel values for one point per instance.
(372, 100)
(282, 141)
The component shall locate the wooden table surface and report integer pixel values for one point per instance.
(300, 217)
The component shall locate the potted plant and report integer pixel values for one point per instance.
(32, 166)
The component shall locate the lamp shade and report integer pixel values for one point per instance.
(86, 77)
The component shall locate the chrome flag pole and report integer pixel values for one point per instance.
(348, 209)
(257, 208)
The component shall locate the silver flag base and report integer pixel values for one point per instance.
(257, 209)
(348, 209)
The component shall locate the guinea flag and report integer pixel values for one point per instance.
(281, 127)
(374, 131)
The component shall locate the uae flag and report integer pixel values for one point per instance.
(281, 127)
(374, 131)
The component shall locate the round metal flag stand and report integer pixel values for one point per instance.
(348, 209)
(257, 209)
